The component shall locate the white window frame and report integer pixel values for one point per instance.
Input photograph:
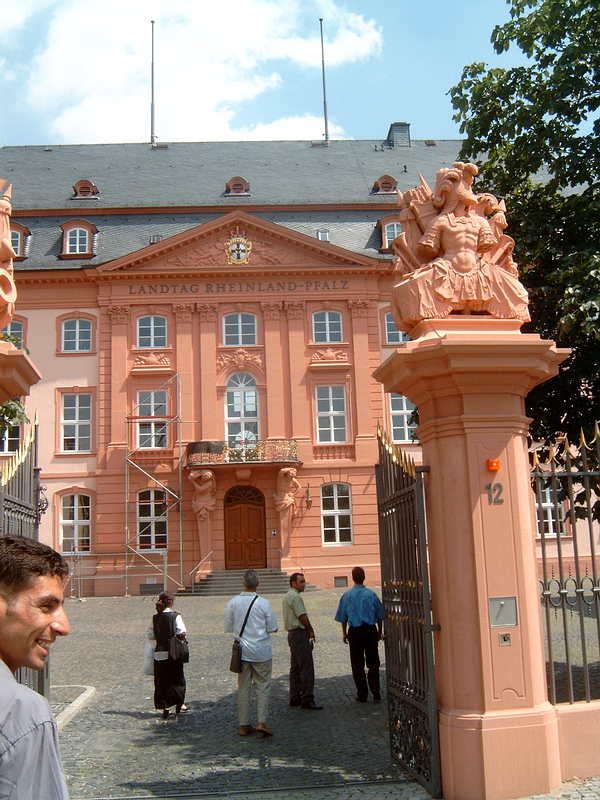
(73, 335)
(327, 327)
(156, 327)
(323, 234)
(75, 425)
(330, 406)
(10, 439)
(401, 409)
(16, 329)
(545, 510)
(392, 334)
(17, 242)
(239, 329)
(242, 420)
(79, 523)
(152, 432)
(335, 507)
(153, 525)
(78, 241)
(390, 231)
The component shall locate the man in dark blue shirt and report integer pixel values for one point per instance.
(361, 613)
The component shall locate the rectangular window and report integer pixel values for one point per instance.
(152, 519)
(15, 328)
(152, 332)
(331, 414)
(239, 329)
(76, 423)
(550, 511)
(9, 441)
(336, 513)
(75, 523)
(327, 327)
(401, 410)
(152, 433)
(392, 334)
(76, 336)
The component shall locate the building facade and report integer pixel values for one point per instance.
(207, 318)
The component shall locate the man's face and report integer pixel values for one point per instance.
(30, 621)
(299, 583)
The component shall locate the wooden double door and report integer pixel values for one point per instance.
(245, 535)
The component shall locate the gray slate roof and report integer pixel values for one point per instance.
(193, 174)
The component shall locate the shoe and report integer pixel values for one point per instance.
(312, 706)
(245, 730)
(264, 730)
(165, 713)
(182, 709)
(360, 699)
(295, 703)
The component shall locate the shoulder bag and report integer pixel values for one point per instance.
(179, 650)
(235, 665)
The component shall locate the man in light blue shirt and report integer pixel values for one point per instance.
(360, 612)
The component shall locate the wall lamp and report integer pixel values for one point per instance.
(308, 498)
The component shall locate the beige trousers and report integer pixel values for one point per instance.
(259, 674)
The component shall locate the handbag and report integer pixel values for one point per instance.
(179, 650)
(235, 664)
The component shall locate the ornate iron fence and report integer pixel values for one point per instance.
(566, 482)
(412, 701)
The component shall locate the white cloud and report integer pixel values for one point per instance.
(91, 75)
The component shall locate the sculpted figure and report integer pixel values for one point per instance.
(454, 259)
(205, 492)
(287, 487)
(8, 290)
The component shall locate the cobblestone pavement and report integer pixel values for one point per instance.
(118, 747)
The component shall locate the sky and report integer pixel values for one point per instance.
(78, 71)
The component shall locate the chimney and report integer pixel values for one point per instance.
(399, 135)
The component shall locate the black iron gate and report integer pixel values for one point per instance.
(20, 507)
(412, 701)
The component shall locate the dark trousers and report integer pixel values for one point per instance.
(302, 669)
(363, 642)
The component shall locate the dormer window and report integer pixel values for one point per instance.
(390, 229)
(237, 185)
(20, 239)
(79, 239)
(387, 184)
(323, 234)
(85, 190)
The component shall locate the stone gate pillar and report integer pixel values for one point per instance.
(498, 733)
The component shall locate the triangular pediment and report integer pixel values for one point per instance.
(212, 247)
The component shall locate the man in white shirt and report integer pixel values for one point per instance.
(257, 652)
(32, 616)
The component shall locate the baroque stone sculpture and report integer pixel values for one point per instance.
(8, 290)
(287, 488)
(205, 492)
(453, 256)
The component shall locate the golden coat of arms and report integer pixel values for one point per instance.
(238, 248)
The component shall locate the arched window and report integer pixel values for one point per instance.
(152, 331)
(390, 231)
(392, 334)
(336, 513)
(85, 189)
(237, 185)
(386, 184)
(75, 523)
(16, 329)
(20, 239)
(76, 336)
(327, 327)
(241, 411)
(152, 519)
(79, 239)
(239, 329)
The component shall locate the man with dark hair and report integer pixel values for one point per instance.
(257, 652)
(32, 615)
(360, 612)
(301, 638)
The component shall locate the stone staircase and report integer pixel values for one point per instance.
(228, 582)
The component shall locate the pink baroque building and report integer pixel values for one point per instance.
(207, 318)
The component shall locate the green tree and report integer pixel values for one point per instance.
(539, 127)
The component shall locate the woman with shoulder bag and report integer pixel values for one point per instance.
(169, 680)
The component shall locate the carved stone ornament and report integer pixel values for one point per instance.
(329, 355)
(271, 311)
(453, 256)
(183, 311)
(152, 360)
(359, 308)
(238, 248)
(287, 487)
(204, 499)
(8, 290)
(295, 310)
(118, 314)
(239, 359)
(207, 312)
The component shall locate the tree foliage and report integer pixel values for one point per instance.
(539, 127)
